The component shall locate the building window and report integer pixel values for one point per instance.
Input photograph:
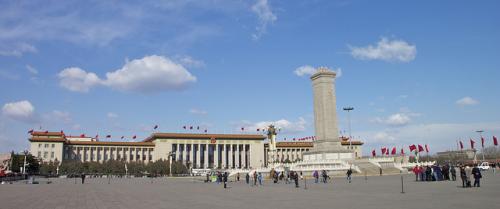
(45, 154)
(51, 154)
(46, 145)
(39, 145)
(39, 154)
(53, 145)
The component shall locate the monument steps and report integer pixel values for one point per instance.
(367, 167)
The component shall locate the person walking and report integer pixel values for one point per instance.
(468, 173)
(325, 176)
(463, 176)
(296, 179)
(247, 178)
(255, 178)
(476, 173)
(416, 172)
(316, 177)
(259, 177)
(224, 179)
(453, 173)
(349, 173)
(83, 178)
(238, 177)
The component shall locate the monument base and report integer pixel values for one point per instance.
(321, 156)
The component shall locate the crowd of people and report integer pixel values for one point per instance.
(448, 172)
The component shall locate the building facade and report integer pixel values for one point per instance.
(195, 150)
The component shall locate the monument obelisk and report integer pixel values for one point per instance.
(327, 144)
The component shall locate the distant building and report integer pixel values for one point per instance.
(467, 154)
(4, 161)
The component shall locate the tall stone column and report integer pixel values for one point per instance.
(230, 158)
(205, 157)
(224, 161)
(327, 144)
(198, 156)
(216, 155)
(184, 153)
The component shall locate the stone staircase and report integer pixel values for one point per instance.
(367, 167)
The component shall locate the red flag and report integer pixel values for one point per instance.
(426, 148)
(108, 136)
(461, 145)
(30, 131)
(258, 129)
(82, 135)
(97, 136)
(156, 126)
(184, 127)
(412, 147)
(393, 152)
(495, 141)
(420, 148)
(294, 139)
(206, 130)
(122, 137)
(190, 127)
(62, 132)
(402, 151)
(134, 137)
(46, 132)
(472, 142)
(482, 142)
(374, 153)
(383, 150)
(197, 128)
(242, 128)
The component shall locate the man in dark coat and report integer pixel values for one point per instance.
(224, 179)
(453, 173)
(296, 178)
(463, 176)
(83, 178)
(349, 173)
(247, 178)
(476, 172)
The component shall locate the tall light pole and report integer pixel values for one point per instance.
(170, 155)
(481, 136)
(349, 109)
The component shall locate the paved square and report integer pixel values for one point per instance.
(377, 192)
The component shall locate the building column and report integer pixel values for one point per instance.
(248, 156)
(184, 153)
(216, 155)
(205, 156)
(198, 159)
(237, 156)
(230, 158)
(223, 156)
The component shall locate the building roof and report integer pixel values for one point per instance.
(204, 136)
(101, 143)
(47, 139)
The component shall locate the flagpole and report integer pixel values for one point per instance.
(482, 141)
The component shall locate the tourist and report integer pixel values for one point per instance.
(83, 178)
(316, 176)
(416, 171)
(247, 178)
(468, 173)
(349, 173)
(463, 176)
(421, 170)
(325, 176)
(238, 176)
(296, 179)
(476, 172)
(288, 177)
(428, 173)
(208, 178)
(255, 178)
(259, 177)
(224, 179)
(453, 173)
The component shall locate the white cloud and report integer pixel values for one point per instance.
(383, 137)
(307, 70)
(76, 79)
(467, 101)
(398, 119)
(22, 111)
(112, 115)
(32, 70)
(386, 50)
(286, 126)
(198, 112)
(17, 49)
(149, 74)
(58, 116)
(266, 16)
(190, 61)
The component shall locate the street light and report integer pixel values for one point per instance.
(481, 136)
(170, 155)
(349, 109)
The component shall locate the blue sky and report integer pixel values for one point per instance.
(416, 71)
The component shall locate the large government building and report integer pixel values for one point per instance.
(228, 151)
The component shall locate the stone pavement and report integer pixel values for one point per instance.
(377, 192)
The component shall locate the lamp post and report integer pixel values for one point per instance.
(349, 109)
(170, 155)
(481, 136)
